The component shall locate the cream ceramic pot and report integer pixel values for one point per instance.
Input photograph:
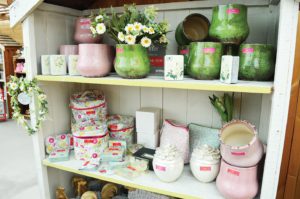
(168, 170)
(204, 171)
(240, 145)
(237, 182)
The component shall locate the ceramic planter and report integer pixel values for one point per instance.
(193, 28)
(132, 61)
(168, 170)
(83, 33)
(204, 60)
(95, 60)
(236, 182)
(229, 24)
(240, 145)
(68, 50)
(184, 50)
(257, 62)
(58, 65)
(72, 65)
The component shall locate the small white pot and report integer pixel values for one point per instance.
(204, 171)
(168, 171)
(58, 65)
(45, 63)
(72, 65)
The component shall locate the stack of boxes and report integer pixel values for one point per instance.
(147, 126)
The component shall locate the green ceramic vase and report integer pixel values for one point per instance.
(132, 61)
(204, 60)
(229, 24)
(257, 62)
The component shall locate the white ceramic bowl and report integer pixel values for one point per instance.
(203, 170)
(168, 171)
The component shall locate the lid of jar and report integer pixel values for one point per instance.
(206, 153)
(168, 153)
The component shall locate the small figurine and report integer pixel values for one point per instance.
(60, 193)
(80, 186)
(89, 195)
(109, 191)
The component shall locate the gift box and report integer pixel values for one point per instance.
(229, 69)
(58, 65)
(174, 67)
(59, 155)
(156, 54)
(112, 154)
(147, 120)
(145, 154)
(149, 140)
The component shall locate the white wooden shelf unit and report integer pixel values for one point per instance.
(47, 27)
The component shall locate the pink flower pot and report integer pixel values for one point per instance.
(237, 182)
(240, 145)
(95, 60)
(83, 33)
(68, 50)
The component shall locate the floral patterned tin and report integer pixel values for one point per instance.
(88, 106)
(62, 141)
(58, 65)
(86, 148)
(89, 128)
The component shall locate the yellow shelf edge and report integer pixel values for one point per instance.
(160, 83)
(108, 179)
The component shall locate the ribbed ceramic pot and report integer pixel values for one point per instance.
(204, 61)
(240, 145)
(237, 182)
(229, 24)
(132, 61)
(95, 60)
(83, 33)
(257, 62)
(193, 28)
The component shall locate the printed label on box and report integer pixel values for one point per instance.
(160, 168)
(205, 168)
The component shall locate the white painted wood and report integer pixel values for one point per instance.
(20, 9)
(280, 101)
(250, 108)
(152, 97)
(265, 118)
(130, 100)
(216, 119)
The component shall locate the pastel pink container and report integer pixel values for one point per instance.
(237, 182)
(68, 50)
(240, 145)
(95, 60)
(83, 32)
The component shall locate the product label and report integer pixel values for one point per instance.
(160, 168)
(85, 23)
(238, 153)
(91, 112)
(157, 61)
(117, 144)
(233, 172)
(233, 11)
(247, 50)
(209, 50)
(131, 168)
(184, 51)
(94, 141)
(205, 168)
(119, 50)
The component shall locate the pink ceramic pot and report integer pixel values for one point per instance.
(240, 145)
(68, 50)
(95, 60)
(83, 33)
(236, 182)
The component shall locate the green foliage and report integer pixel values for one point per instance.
(224, 106)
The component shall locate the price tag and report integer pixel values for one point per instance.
(24, 98)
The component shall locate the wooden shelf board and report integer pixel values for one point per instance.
(185, 187)
(159, 82)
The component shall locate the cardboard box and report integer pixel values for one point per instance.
(148, 120)
(148, 140)
(229, 69)
(174, 67)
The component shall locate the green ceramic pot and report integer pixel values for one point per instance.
(184, 50)
(204, 60)
(193, 28)
(229, 24)
(132, 61)
(257, 62)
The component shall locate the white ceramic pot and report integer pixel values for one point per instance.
(72, 65)
(45, 63)
(58, 65)
(204, 171)
(168, 170)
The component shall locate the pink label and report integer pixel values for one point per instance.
(131, 168)
(160, 168)
(184, 51)
(85, 21)
(91, 112)
(233, 172)
(248, 50)
(205, 168)
(209, 50)
(86, 163)
(51, 140)
(119, 50)
(238, 153)
(233, 11)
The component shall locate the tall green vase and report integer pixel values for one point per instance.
(132, 61)
(229, 24)
(204, 60)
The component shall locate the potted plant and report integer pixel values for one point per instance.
(134, 31)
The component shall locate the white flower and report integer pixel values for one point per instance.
(146, 42)
(151, 31)
(42, 97)
(129, 28)
(121, 36)
(100, 28)
(130, 39)
(163, 39)
(137, 26)
(14, 86)
(145, 29)
(99, 18)
(93, 30)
